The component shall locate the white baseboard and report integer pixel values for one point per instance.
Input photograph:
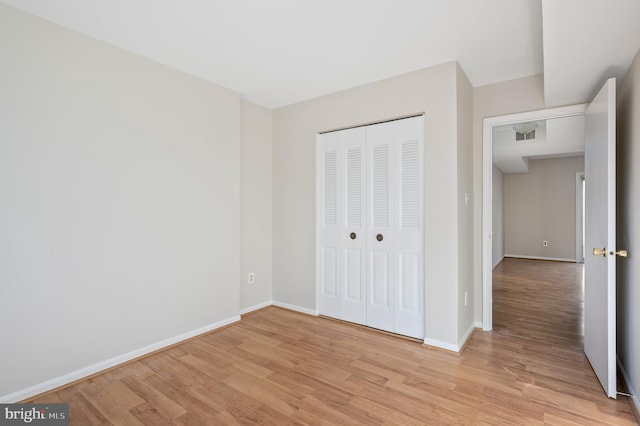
(109, 363)
(296, 308)
(442, 345)
(557, 259)
(449, 346)
(256, 307)
(466, 336)
(634, 395)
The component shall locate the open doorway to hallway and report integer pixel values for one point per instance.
(538, 210)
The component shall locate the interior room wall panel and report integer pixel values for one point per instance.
(119, 202)
(541, 206)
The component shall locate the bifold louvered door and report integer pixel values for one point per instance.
(342, 237)
(370, 226)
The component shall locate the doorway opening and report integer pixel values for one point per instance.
(487, 205)
(537, 229)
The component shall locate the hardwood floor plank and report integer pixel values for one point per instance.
(112, 399)
(153, 398)
(281, 367)
(267, 393)
(81, 411)
(148, 414)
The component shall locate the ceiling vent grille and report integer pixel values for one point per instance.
(525, 136)
(525, 131)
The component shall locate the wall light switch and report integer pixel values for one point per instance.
(545, 243)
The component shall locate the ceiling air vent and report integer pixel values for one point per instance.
(525, 131)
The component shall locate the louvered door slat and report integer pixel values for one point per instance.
(410, 187)
(330, 188)
(380, 186)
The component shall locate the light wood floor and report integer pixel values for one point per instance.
(280, 367)
(542, 300)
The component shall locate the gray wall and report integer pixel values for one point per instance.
(464, 92)
(508, 97)
(628, 235)
(255, 205)
(497, 194)
(541, 205)
(119, 202)
(432, 91)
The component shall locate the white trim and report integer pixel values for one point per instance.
(256, 307)
(557, 259)
(317, 219)
(442, 345)
(579, 218)
(477, 324)
(487, 225)
(109, 363)
(466, 336)
(487, 182)
(296, 308)
(634, 395)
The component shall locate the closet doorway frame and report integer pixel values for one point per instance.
(318, 213)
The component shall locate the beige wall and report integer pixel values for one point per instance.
(541, 205)
(628, 235)
(432, 91)
(119, 199)
(497, 198)
(255, 205)
(464, 92)
(509, 97)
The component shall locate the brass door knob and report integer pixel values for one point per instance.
(622, 253)
(379, 237)
(600, 252)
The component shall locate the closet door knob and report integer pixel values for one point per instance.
(379, 237)
(352, 235)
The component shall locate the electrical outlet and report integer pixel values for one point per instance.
(252, 277)
(466, 298)
(545, 243)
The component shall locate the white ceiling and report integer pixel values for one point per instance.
(586, 42)
(279, 52)
(557, 137)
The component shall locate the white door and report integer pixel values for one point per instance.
(341, 258)
(352, 236)
(329, 300)
(395, 289)
(600, 238)
(410, 318)
(370, 226)
(381, 235)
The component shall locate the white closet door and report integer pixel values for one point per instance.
(341, 200)
(410, 319)
(381, 244)
(370, 226)
(352, 234)
(329, 298)
(395, 219)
